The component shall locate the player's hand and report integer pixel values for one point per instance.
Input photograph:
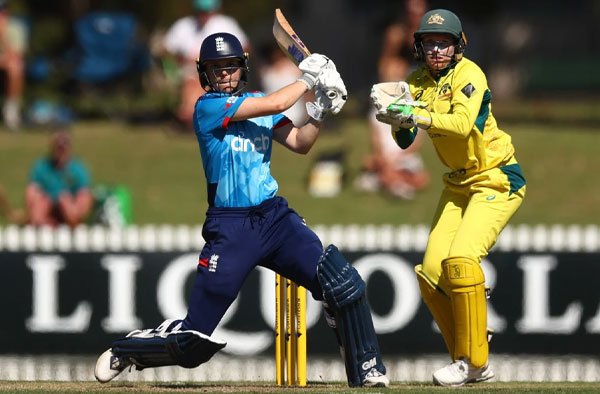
(403, 114)
(395, 105)
(318, 109)
(386, 94)
(311, 67)
(330, 95)
(330, 81)
(396, 120)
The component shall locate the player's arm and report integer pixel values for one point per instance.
(285, 97)
(330, 97)
(272, 104)
(401, 111)
(298, 139)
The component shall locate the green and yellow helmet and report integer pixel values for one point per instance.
(444, 22)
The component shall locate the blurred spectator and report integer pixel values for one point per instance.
(13, 42)
(399, 172)
(59, 186)
(279, 72)
(398, 38)
(183, 40)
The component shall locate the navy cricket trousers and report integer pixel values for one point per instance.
(271, 235)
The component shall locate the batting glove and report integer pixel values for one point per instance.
(330, 81)
(311, 67)
(330, 95)
(318, 109)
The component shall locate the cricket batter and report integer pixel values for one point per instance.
(247, 224)
(483, 189)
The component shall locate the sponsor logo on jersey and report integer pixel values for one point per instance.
(490, 197)
(445, 91)
(259, 143)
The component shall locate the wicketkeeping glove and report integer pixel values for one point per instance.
(403, 114)
(386, 93)
(396, 106)
(311, 67)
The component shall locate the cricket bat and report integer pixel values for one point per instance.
(288, 40)
(290, 43)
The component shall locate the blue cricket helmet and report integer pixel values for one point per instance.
(222, 46)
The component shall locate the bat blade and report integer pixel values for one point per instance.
(291, 44)
(288, 40)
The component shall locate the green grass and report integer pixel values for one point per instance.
(164, 173)
(313, 388)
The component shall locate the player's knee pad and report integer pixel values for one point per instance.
(167, 345)
(466, 281)
(344, 292)
(440, 307)
(341, 283)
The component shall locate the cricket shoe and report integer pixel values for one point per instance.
(110, 366)
(460, 372)
(374, 378)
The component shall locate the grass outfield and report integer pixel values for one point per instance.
(164, 173)
(313, 388)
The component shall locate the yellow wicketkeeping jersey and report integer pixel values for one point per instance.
(463, 129)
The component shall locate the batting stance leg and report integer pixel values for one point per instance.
(163, 346)
(344, 292)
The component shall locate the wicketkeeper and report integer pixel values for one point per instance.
(448, 98)
(247, 224)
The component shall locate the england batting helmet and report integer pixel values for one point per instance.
(441, 22)
(222, 46)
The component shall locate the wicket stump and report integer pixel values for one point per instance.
(290, 332)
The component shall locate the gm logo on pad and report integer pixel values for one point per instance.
(369, 363)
